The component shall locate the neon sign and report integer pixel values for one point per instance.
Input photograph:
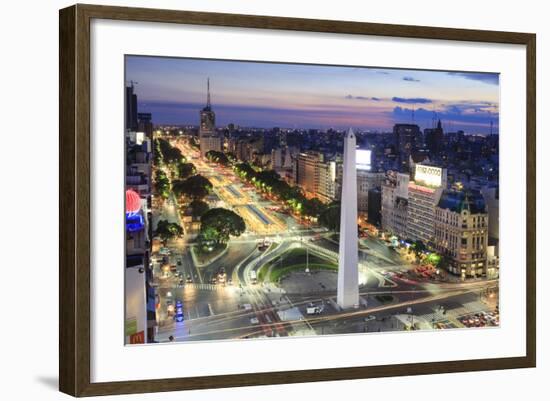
(134, 222)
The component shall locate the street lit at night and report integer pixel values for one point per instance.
(237, 227)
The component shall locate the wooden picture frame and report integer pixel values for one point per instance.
(75, 206)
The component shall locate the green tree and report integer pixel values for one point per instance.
(186, 170)
(162, 184)
(330, 217)
(418, 248)
(169, 153)
(195, 187)
(217, 157)
(207, 237)
(313, 207)
(166, 230)
(224, 222)
(198, 208)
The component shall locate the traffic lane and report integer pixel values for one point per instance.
(382, 248)
(235, 254)
(216, 314)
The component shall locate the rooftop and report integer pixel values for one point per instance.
(457, 201)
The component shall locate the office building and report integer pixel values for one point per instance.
(424, 193)
(318, 177)
(406, 138)
(131, 121)
(367, 180)
(394, 203)
(434, 139)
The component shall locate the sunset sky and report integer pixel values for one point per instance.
(312, 96)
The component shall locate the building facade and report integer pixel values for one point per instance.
(461, 232)
(367, 180)
(406, 138)
(394, 203)
(434, 139)
(318, 177)
(424, 194)
(140, 312)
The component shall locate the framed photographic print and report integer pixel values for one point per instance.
(250, 200)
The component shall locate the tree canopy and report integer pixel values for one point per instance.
(217, 157)
(186, 170)
(330, 217)
(162, 184)
(222, 223)
(198, 208)
(195, 187)
(169, 153)
(167, 230)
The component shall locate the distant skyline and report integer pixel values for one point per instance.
(259, 94)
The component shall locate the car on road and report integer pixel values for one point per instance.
(313, 309)
(188, 279)
(253, 276)
(179, 311)
(370, 318)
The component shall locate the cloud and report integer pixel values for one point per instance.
(410, 79)
(351, 97)
(485, 77)
(461, 115)
(411, 100)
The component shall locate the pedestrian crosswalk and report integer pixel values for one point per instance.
(205, 286)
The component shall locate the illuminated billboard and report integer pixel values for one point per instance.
(428, 175)
(363, 159)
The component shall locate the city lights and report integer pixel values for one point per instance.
(271, 220)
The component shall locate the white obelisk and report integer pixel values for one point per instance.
(348, 271)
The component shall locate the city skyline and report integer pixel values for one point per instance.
(264, 95)
(249, 233)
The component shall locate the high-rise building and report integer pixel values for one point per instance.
(145, 125)
(318, 177)
(424, 193)
(394, 204)
(367, 180)
(434, 139)
(209, 139)
(406, 137)
(330, 178)
(461, 231)
(131, 108)
(140, 312)
(374, 206)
